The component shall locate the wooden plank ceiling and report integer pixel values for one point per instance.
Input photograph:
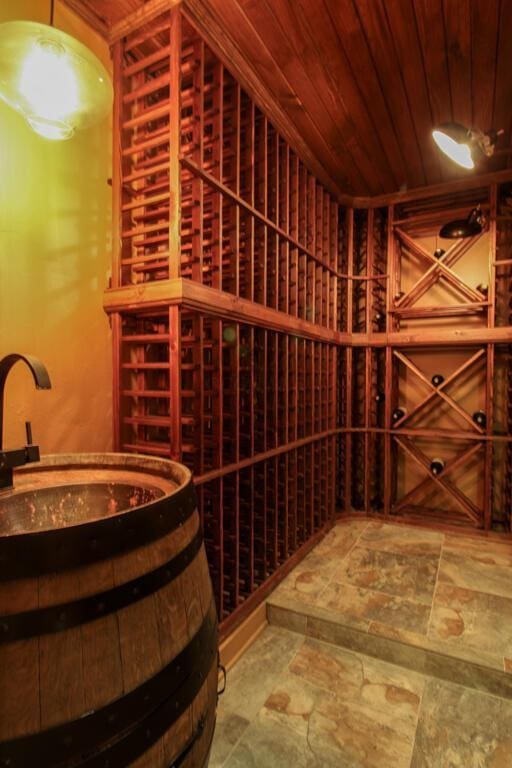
(364, 81)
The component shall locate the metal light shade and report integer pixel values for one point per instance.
(469, 227)
(456, 142)
(53, 80)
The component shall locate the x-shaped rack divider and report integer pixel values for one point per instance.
(439, 391)
(462, 501)
(439, 267)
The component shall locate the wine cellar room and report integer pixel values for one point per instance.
(255, 383)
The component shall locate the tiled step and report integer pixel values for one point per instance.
(460, 632)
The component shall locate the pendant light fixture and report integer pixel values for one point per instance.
(462, 144)
(469, 227)
(52, 79)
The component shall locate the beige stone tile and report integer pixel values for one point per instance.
(402, 575)
(351, 602)
(477, 571)
(460, 727)
(285, 602)
(340, 539)
(476, 622)
(267, 744)
(228, 731)
(401, 539)
(368, 681)
(362, 710)
(258, 670)
(497, 550)
(283, 613)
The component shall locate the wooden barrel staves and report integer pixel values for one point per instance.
(108, 628)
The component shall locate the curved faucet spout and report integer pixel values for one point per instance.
(39, 372)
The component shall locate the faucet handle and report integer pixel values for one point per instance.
(28, 432)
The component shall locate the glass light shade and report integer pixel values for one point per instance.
(456, 147)
(53, 80)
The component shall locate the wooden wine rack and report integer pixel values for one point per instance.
(386, 310)
(264, 336)
(224, 306)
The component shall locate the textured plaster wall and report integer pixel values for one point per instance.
(55, 224)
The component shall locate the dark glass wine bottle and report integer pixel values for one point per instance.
(480, 418)
(436, 466)
(398, 414)
(437, 379)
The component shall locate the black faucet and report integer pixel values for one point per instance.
(19, 456)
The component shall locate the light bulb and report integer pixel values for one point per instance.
(459, 153)
(54, 81)
(50, 89)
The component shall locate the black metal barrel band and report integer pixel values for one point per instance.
(41, 552)
(113, 736)
(56, 618)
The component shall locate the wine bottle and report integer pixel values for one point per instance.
(483, 288)
(437, 379)
(480, 418)
(439, 252)
(398, 414)
(436, 466)
(379, 397)
(379, 317)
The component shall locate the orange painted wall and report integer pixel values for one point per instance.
(55, 255)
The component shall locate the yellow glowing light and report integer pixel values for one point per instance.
(54, 81)
(50, 88)
(459, 153)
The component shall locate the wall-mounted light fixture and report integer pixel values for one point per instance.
(462, 145)
(53, 80)
(469, 227)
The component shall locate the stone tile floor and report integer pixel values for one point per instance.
(447, 594)
(387, 646)
(296, 702)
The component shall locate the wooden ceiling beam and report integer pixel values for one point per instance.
(445, 188)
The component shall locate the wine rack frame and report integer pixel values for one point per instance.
(376, 446)
(259, 329)
(223, 303)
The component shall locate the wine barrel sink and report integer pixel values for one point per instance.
(108, 628)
